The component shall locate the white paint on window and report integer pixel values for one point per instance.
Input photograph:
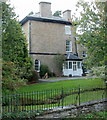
(68, 46)
(37, 65)
(68, 29)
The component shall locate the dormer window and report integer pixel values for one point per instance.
(68, 30)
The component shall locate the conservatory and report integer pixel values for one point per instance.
(72, 66)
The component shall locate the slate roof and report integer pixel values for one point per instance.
(44, 19)
(71, 56)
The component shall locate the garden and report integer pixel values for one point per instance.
(46, 96)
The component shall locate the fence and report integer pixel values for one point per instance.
(49, 99)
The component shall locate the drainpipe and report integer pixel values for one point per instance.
(76, 48)
(29, 36)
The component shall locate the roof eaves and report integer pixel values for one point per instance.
(44, 20)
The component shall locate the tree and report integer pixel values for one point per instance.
(93, 32)
(57, 13)
(14, 47)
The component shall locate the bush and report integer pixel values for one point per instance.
(34, 76)
(44, 69)
(24, 115)
(98, 71)
(10, 79)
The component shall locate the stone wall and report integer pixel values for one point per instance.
(74, 111)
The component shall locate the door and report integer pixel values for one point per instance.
(75, 72)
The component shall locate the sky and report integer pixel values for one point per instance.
(24, 7)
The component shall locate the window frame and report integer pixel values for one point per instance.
(38, 65)
(74, 66)
(78, 65)
(69, 46)
(68, 30)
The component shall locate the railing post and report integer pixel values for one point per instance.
(62, 96)
(79, 95)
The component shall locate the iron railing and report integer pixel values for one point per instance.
(49, 99)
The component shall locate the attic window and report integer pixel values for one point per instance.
(67, 29)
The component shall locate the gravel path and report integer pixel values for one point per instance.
(63, 78)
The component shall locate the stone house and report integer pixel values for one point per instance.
(48, 36)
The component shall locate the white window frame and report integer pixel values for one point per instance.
(67, 29)
(38, 65)
(67, 65)
(69, 46)
(70, 67)
(78, 65)
(74, 65)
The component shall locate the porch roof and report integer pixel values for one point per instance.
(72, 57)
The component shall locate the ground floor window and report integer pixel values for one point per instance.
(78, 65)
(37, 65)
(72, 65)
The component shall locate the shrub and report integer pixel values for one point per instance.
(98, 71)
(43, 70)
(34, 76)
(10, 78)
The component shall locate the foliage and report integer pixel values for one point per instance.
(59, 60)
(31, 13)
(94, 115)
(43, 70)
(98, 71)
(11, 79)
(21, 115)
(34, 76)
(92, 31)
(14, 50)
(57, 13)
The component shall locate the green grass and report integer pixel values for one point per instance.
(67, 86)
(96, 82)
(68, 100)
(96, 115)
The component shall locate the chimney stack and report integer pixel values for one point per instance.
(45, 9)
(67, 15)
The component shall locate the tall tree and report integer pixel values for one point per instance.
(14, 46)
(93, 31)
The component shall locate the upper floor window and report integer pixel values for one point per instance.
(68, 46)
(68, 29)
(37, 65)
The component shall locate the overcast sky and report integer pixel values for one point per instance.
(24, 7)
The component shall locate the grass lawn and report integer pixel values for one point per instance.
(47, 99)
(91, 83)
